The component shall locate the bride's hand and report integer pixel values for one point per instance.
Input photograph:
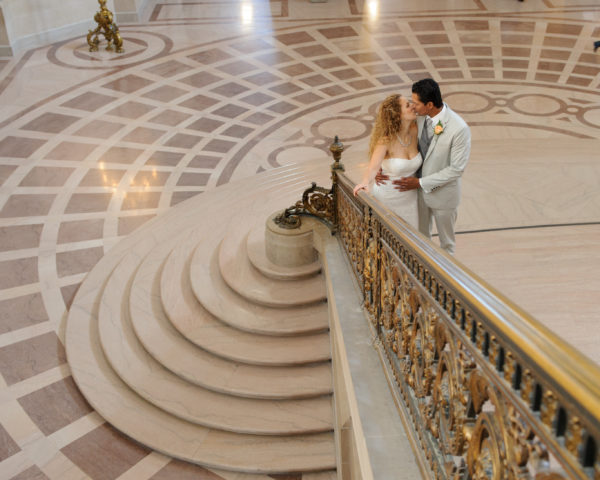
(359, 187)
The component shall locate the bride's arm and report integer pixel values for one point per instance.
(374, 164)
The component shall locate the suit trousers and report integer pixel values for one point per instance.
(445, 219)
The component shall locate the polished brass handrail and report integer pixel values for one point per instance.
(492, 393)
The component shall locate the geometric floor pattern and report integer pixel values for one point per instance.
(93, 145)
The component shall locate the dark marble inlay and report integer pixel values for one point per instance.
(68, 293)
(514, 75)
(274, 58)
(315, 80)
(295, 70)
(205, 125)
(391, 42)
(25, 359)
(338, 32)
(472, 24)
(218, 146)
(564, 29)
(365, 57)
(262, 78)
(307, 98)
(21, 312)
(143, 135)
(450, 74)
(427, 26)
(165, 159)
(516, 52)
(414, 65)
(210, 56)
(259, 118)
(285, 88)
(50, 123)
(238, 67)
(8, 447)
(483, 74)
(282, 107)
(238, 131)
(517, 39)
(257, 99)
(100, 129)
(179, 197)
(169, 68)
(585, 70)
(166, 93)
(230, 89)
(121, 155)
(19, 147)
(201, 79)
(183, 140)
(171, 118)
(551, 66)
(555, 54)
(547, 77)
(140, 200)
(361, 84)
(516, 26)
(433, 39)
(313, 51)
(77, 261)
(71, 151)
(377, 69)
(88, 202)
(559, 42)
(128, 84)
(401, 53)
(80, 230)
(199, 102)
(130, 223)
(480, 62)
(204, 161)
(150, 178)
(511, 63)
(32, 473)
(131, 110)
(345, 74)
(55, 406)
(579, 81)
(294, 38)
(104, 454)
(230, 111)
(477, 51)
(89, 101)
(192, 179)
(330, 62)
(47, 177)
(27, 205)
(18, 237)
(334, 90)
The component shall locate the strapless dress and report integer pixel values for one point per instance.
(403, 204)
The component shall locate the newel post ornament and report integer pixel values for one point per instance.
(106, 27)
(316, 201)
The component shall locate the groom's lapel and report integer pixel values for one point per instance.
(434, 140)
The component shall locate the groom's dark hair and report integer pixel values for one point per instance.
(428, 91)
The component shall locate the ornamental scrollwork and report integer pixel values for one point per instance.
(316, 201)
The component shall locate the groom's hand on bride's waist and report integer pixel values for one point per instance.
(381, 177)
(406, 183)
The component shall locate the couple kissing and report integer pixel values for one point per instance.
(418, 151)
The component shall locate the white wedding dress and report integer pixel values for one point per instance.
(403, 204)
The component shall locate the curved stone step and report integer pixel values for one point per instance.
(216, 297)
(202, 328)
(247, 281)
(190, 402)
(255, 246)
(157, 429)
(158, 336)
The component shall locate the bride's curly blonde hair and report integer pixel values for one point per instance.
(387, 123)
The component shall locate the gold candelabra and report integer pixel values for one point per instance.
(106, 27)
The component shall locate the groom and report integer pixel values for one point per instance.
(445, 144)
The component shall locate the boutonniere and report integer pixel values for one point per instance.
(438, 129)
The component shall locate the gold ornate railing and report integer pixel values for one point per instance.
(490, 392)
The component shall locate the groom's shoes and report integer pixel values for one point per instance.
(596, 45)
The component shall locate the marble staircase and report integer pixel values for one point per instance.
(188, 339)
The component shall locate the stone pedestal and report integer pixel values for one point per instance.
(289, 248)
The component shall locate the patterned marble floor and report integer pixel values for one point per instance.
(94, 145)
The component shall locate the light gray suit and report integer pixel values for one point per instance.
(443, 166)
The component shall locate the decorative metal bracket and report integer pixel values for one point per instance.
(106, 27)
(316, 201)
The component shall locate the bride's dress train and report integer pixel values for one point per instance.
(403, 204)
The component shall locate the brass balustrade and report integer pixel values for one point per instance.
(491, 392)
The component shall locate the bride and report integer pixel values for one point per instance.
(394, 148)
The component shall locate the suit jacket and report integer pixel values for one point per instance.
(445, 161)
